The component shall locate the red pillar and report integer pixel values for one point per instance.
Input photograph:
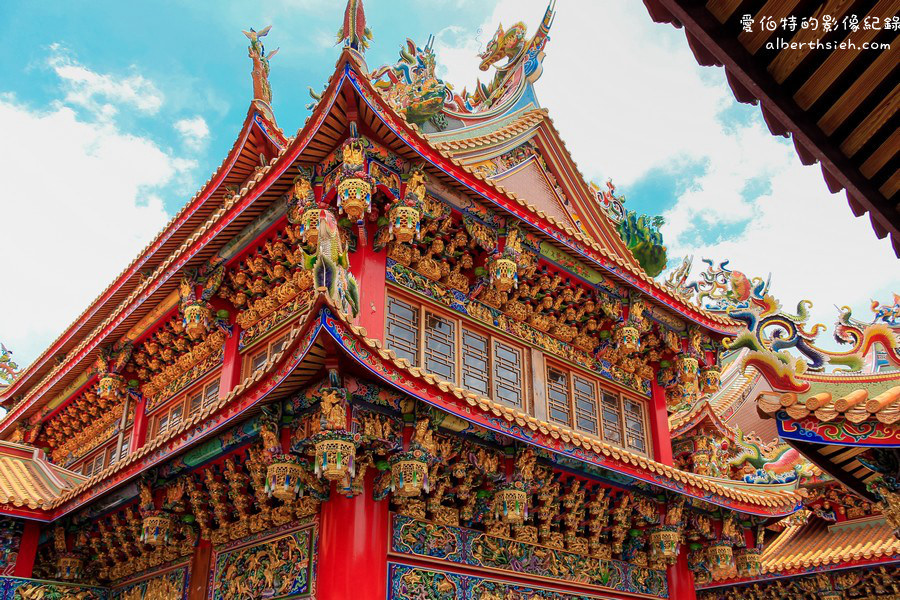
(659, 424)
(28, 545)
(139, 429)
(231, 362)
(680, 578)
(368, 267)
(200, 565)
(353, 546)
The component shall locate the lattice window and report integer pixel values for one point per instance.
(94, 465)
(635, 436)
(558, 396)
(585, 393)
(403, 330)
(612, 419)
(475, 362)
(507, 374)
(440, 346)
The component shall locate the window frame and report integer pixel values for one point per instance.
(423, 309)
(266, 345)
(183, 401)
(600, 389)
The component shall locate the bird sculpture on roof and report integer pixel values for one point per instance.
(257, 52)
(353, 31)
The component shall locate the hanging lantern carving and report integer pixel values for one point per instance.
(404, 222)
(110, 386)
(687, 368)
(197, 319)
(354, 196)
(748, 562)
(69, 566)
(409, 473)
(283, 477)
(335, 456)
(504, 273)
(721, 557)
(664, 543)
(628, 338)
(710, 380)
(511, 503)
(156, 528)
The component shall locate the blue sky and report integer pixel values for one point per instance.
(131, 106)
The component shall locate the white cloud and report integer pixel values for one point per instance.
(103, 94)
(629, 98)
(194, 132)
(81, 198)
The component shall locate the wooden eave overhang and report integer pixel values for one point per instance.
(682, 423)
(839, 106)
(258, 134)
(349, 96)
(303, 357)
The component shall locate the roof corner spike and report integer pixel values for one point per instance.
(353, 31)
(262, 91)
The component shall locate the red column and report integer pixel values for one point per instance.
(368, 267)
(659, 424)
(680, 578)
(139, 429)
(231, 362)
(28, 545)
(353, 546)
(200, 565)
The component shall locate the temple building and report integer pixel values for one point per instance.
(409, 352)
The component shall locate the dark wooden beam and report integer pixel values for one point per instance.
(740, 67)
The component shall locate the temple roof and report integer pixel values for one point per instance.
(856, 398)
(28, 479)
(836, 105)
(349, 96)
(258, 135)
(818, 544)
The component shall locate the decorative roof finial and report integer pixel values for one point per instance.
(9, 370)
(262, 91)
(353, 31)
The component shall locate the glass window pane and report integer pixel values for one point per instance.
(175, 417)
(163, 424)
(635, 437)
(440, 346)
(475, 362)
(211, 394)
(258, 360)
(195, 402)
(403, 330)
(612, 419)
(585, 405)
(507, 374)
(558, 396)
(278, 345)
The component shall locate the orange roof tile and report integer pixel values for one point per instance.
(818, 544)
(28, 479)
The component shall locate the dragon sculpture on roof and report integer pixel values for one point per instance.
(523, 56)
(771, 331)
